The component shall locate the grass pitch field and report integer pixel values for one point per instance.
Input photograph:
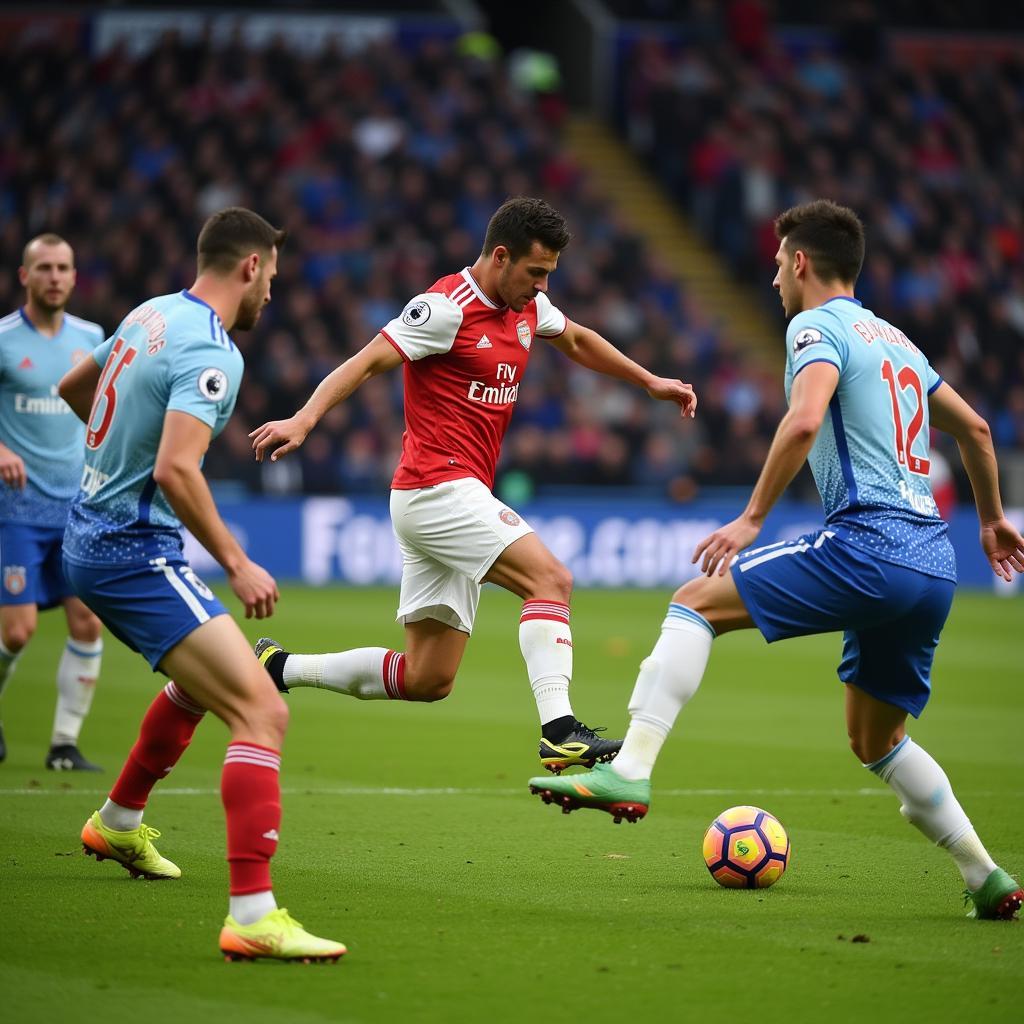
(409, 834)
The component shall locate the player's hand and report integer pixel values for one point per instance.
(12, 469)
(719, 548)
(671, 390)
(1003, 545)
(255, 588)
(283, 436)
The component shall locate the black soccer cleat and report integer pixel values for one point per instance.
(66, 757)
(582, 746)
(272, 656)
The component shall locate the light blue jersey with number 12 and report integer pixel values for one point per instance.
(870, 459)
(170, 354)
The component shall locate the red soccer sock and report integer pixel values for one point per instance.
(251, 791)
(165, 732)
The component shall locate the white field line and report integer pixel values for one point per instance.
(480, 791)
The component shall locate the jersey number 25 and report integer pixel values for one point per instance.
(120, 358)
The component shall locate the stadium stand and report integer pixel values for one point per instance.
(385, 163)
(740, 118)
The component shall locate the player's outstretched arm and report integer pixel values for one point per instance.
(589, 349)
(176, 472)
(280, 437)
(1000, 539)
(812, 391)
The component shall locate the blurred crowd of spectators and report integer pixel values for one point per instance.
(385, 167)
(741, 120)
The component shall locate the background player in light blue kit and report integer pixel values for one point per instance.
(169, 379)
(40, 466)
(861, 398)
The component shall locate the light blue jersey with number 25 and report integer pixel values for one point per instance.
(870, 459)
(170, 354)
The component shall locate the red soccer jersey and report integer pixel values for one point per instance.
(464, 359)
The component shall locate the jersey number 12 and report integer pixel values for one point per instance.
(906, 378)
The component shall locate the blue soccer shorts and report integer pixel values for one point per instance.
(891, 616)
(150, 606)
(30, 565)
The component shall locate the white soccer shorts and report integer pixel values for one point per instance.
(450, 536)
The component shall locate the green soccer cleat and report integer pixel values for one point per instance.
(999, 899)
(582, 747)
(604, 789)
(276, 936)
(133, 850)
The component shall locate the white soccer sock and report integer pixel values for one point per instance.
(368, 673)
(8, 662)
(76, 683)
(120, 819)
(929, 805)
(248, 909)
(668, 678)
(546, 642)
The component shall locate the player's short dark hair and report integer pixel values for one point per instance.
(521, 221)
(46, 238)
(230, 235)
(832, 235)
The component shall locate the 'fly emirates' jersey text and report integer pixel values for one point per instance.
(870, 459)
(464, 360)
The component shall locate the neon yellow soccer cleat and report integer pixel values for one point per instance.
(277, 936)
(133, 850)
(581, 747)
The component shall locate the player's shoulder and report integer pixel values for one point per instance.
(465, 292)
(11, 322)
(94, 332)
(190, 324)
(436, 309)
(814, 326)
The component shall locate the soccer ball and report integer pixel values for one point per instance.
(746, 848)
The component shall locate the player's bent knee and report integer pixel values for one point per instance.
(868, 748)
(554, 581)
(429, 687)
(16, 637)
(87, 628)
(261, 716)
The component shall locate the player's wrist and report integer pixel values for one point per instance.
(307, 418)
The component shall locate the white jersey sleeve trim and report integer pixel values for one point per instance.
(426, 327)
(551, 321)
(86, 325)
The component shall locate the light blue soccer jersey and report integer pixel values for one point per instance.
(35, 422)
(870, 459)
(170, 354)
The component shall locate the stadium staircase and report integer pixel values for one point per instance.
(623, 178)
